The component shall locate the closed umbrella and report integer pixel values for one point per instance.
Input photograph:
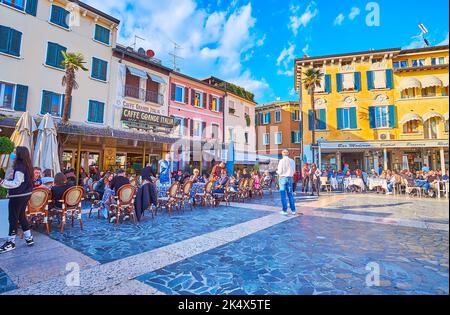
(22, 136)
(46, 151)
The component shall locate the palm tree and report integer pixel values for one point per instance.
(312, 78)
(72, 63)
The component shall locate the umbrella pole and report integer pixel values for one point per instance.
(78, 159)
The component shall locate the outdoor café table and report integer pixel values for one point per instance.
(354, 182)
(377, 182)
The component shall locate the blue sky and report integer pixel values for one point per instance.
(253, 42)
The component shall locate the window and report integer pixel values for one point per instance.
(381, 117)
(418, 62)
(16, 4)
(99, 69)
(230, 134)
(295, 137)
(179, 123)
(59, 16)
(266, 139)
(320, 119)
(278, 138)
(198, 128)
(346, 118)
(411, 127)
(231, 108)
(265, 118)
(296, 115)
(348, 81)
(401, 64)
(96, 112)
(408, 93)
(102, 34)
(10, 41)
(430, 128)
(446, 125)
(179, 94)
(278, 116)
(429, 91)
(52, 103)
(445, 91)
(54, 55)
(379, 79)
(215, 104)
(438, 61)
(6, 96)
(246, 137)
(215, 131)
(198, 99)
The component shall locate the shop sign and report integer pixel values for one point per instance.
(384, 145)
(142, 120)
(140, 107)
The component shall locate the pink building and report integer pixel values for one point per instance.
(198, 109)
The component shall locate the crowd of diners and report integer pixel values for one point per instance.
(425, 178)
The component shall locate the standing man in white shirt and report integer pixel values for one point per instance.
(286, 170)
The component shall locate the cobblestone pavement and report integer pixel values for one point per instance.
(250, 249)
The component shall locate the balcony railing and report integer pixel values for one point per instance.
(144, 95)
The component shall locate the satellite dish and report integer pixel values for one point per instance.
(150, 53)
(141, 51)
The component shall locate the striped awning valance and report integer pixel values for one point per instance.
(408, 83)
(410, 117)
(430, 81)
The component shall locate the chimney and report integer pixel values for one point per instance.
(305, 56)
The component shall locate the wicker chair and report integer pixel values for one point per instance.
(71, 206)
(93, 198)
(171, 200)
(37, 208)
(413, 190)
(206, 197)
(222, 197)
(244, 189)
(185, 195)
(125, 203)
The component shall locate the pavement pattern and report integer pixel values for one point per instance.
(248, 248)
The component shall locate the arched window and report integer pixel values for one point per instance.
(411, 127)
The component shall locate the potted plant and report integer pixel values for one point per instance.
(248, 120)
(6, 147)
(232, 111)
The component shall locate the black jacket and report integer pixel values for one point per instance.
(146, 196)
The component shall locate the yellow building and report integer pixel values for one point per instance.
(377, 108)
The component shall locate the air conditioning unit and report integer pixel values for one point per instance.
(383, 136)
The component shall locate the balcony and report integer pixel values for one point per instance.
(144, 95)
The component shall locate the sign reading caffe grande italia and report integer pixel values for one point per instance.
(143, 120)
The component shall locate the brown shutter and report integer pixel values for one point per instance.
(204, 129)
(186, 95)
(222, 104)
(205, 100)
(186, 126)
(210, 102)
(172, 92)
(192, 97)
(192, 127)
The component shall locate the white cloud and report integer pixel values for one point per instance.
(339, 19)
(261, 41)
(258, 87)
(285, 61)
(305, 49)
(354, 12)
(296, 21)
(212, 43)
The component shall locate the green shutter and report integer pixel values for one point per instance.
(372, 119)
(31, 7)
(340, 118)
(60, 56)
(20, 103)
(46, 101)
(310, 118)
(4, 39)
(323, 119)
(353, 118)
(51, 54)
(358, 81)
(389, 79)
(339, 82)
(392, 116)
(370, 85)
(328, 83)
(15, 40)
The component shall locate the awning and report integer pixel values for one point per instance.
(430, 81)
(444, 81)
(157, 78)
(408, 83)
(410, 117)
(137, 72)
(446, 116)
(430, 115)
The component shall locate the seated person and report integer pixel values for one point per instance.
(445, 176)
(118, 181)
(220, 184)
(37, 177)
(196, 178)
(267, 179)
(102, 184)
(47, 180)
(233, 184)
(61, 185)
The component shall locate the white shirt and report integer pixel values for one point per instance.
(286, 167)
